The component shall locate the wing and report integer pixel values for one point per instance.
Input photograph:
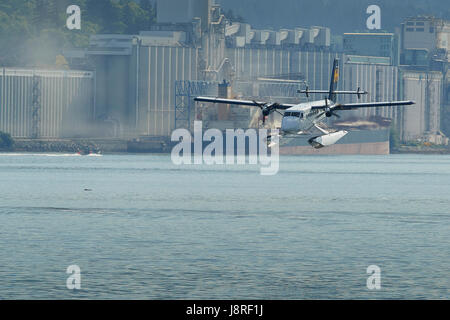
(280, 106)
(352, 106)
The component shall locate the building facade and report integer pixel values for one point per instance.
(47, 103)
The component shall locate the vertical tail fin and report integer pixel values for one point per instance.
(334, 80)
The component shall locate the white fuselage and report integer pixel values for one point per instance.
(301, 118)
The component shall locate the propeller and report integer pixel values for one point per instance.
(267, 109)
(328, 111)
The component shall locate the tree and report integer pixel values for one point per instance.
(34, 32)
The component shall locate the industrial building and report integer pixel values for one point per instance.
(427, 34)
(140, 78)
(426, 89)
(47, 103)
(143, 85)
(135, 80)
(148, 94)
(373, 44)
(419, 54)
(425, 48)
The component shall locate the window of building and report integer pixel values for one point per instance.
(420, 29)
(409, 29)
(420, 23)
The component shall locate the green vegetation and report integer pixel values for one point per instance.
(34, 32)
(6, 142)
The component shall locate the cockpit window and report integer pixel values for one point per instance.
(293, 114)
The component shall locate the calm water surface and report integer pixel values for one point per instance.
(146, 229)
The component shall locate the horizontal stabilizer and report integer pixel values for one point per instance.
(357, 92)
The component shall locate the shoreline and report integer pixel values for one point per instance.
(158, 145)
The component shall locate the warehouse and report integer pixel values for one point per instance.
(46, 103)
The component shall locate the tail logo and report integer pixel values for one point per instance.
(336, 75)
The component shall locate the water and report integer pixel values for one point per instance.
(146, 229)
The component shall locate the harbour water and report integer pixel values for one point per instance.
(140, 227)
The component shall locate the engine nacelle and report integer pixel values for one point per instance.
(266, 111)
(327, 139)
